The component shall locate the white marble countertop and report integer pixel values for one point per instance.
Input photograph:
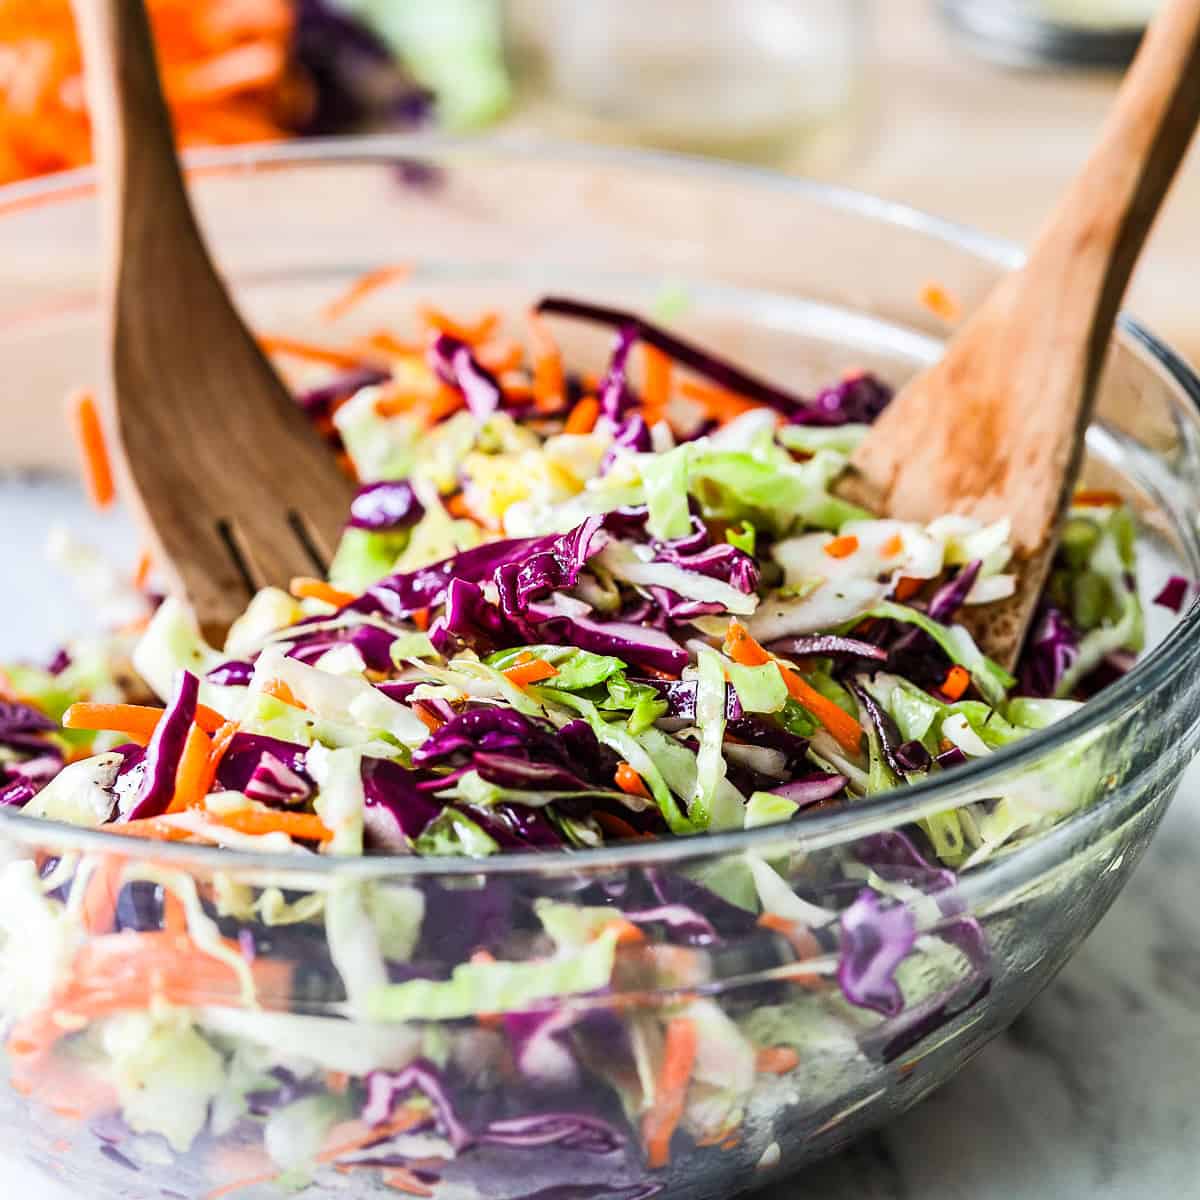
(1091, 1094)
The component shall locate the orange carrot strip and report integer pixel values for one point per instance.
(844, 728)
(304, 827)
(192, 772)
(777, 1060)
(420, 619)
(957, 680)
(471, 334)
(93, 453)
(523, 674)
(402, 1180)
(841, 547)
(718, 404)
(138, 720)
(457, 507)
(100, 899)
(445, 404)
(659, 1124)
(281, 691)
(1095, 498)
(361, 288)
(629, 781)
(141, 573)
(221, 742)
(298, 348)
(907, 587)
(583, 417)
(174, 918)
(893, 546)
(239, 1185)
(354, 1135)
(656, 383)
(627, 933)
(940, 302)
(549, 378)
(619, 828)
(154, 828)
(390, 344)
(249, 66)
(430, 720)
(742, 648)
(501, 357)
(304, 588)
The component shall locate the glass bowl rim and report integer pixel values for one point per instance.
(1153, 673)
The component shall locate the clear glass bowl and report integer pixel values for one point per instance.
(803, 282)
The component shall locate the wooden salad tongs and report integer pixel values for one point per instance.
(234, 488)
(996, 428)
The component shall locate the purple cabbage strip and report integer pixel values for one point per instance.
(953, 757)
(397, 808)
(234, 673)
(166, 749)
(384, 1088)
(701, 361)
(274, 782)
(1174, 593)
(680, 697)
(60, 662)
(631, 434)
(829, 645)
(246, 751)
(539, 1046)
(455, 365)
(18, 793)
(693, 927)
(812, 790)
(1048, 654)
(949, 598)
(856, 400)
(885, 729)
(569, 1130)
(385, 506)
(316, 400)
(614, 388)
(875, 941)
(631, 643)
(552, 567)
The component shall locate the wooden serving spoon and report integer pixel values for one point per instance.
(233, 486)
(996, 428)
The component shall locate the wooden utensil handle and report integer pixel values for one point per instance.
(131, 127)
(1106, 215)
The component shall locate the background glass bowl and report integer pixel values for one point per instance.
(802, 282)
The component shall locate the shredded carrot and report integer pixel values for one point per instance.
(841, 547)
(221, 742)
(1096, 498)
(430, 720)
(138, 721)
(549, 378)
(310, 351)
(525, 673)
(303, 827)
(239, 1185)
(630, 782)
(457, 507)
(304, 588)
(939, 301)
(718, 404)
(354, 1135)
(957, 680)
(174, 918)
(444, 404)
(670, 1093)
(627, 933)
(403, 1180)
(480, 331)
(387, 342)
(893, 546)
(777, 1060)
(420, 619)
(501, 358)
(154, 828)
(100, 899)
(93, 453)
(845, 729)
(656, 382)
(346, 465)
(337, 1082)
(281, 692)
(397, 401)
(742, 648)
(618, 827)
(192, 773)
(907, 587)
(361, 288)
(141, 573)
(583, 417)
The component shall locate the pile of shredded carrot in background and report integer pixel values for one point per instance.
(225, 63)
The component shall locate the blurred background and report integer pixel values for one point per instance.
(977, 110)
